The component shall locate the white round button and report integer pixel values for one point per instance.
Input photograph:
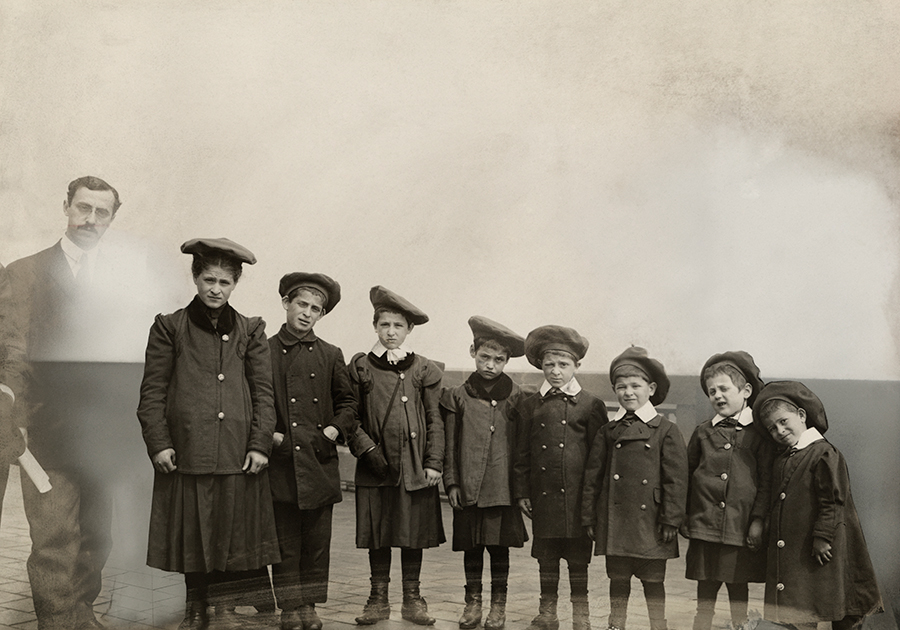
(780, 544)
(493, 403)
(782, 496)
(616, 476)
(293, 400)
(224, 337)
(722, 504)
(779, 587)
(727, 446)
(724, 476)
(413, 435)
(618, 445)
(221, 377)
(221, 415)
(404, 398)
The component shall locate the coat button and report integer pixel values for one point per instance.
(224, 337)
(780, 544)
(312, 375)
(782, 496)
(543, 494)
(616, 476)
(221, 377)
(647, 445)
(413, 435)
(544, 447)
(561, 445)
(618, 445)
(724, 476)
(402, 376)
(563, 490)
(296, 448)
(493, 403)
(542, 425)
(779, 587)
(563, 422)
(309, 348)
(404, 398)
(492, 428)
(727, 446)
(643, 507)
(643, 482)
(722, 504)
(293, 400)
(221, 415)
(315, 400)
(293, 424)
(544, 468)
(739, 427)
(319, 426)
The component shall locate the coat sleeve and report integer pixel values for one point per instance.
(343, 399)
(593, 479)
(832, 485)
(673, 478)
(521, 418)
(159, 362)
(599, 417)
(765, 460)
(450, 412)
(359, 442)
(434, 424)
(258, 368)
(693, 462)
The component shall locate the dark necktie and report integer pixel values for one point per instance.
(554, 391)
(726, 423)
(629, 418)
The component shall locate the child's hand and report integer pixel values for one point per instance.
(374, 459)
(754, 534)
(525, 506)
(254, 462)
(821, 550)
(164, 461)
(331, 433)
(667, 532)
(453, 496)
(432, 476)
(589, 530)
(277, 439)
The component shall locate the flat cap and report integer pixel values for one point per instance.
(206, 246)
(637, 357)
(320, 281)
(743, 363)
(796, 394)
(484, 328)
(385, 298)
(545, 338)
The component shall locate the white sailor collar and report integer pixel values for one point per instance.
(808, 437)
(571, 388)
(393, 356)
(645, 413)
(745, 418)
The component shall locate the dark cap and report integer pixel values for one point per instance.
(484, 328)
(637, 358)
(743, 363)
(796, 394)
(545, 338)
(385, 298)
(319, 281)
(207, 246)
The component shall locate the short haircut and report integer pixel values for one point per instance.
(92, 183)
(202, 262)
(319, 294)
(558, 353)
(628, 371)
(774, 404)
(381, 310)
(727, 369)
(491, 344)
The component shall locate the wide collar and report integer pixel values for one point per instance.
(288, 339)
(806, 438)
(395, 355)
(645, 414)
(745, 418)
(199, 314)
(572, 388)
(502, 387)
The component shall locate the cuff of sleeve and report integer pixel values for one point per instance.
(434, 464)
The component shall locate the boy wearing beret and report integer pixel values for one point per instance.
(315, 409)
(477, 468)
(818, 563)
(555, 427)
(635, 487)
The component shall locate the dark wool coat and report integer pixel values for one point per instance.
(412, 436)
(811, 498)
(470, 427)
(207, 394)
(730, 472)
(553, 437)
(635, 480)
(312, 391)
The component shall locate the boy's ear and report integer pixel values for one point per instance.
(747, 391)
(285, 302)
(577, 364)
(411, 326)
(472, 350)
(652, 387)
(802, 413)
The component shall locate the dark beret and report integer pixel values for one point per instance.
(798, 395)
(744, 364)
(545, 338)
(485, 328)
(385, 298)
(637, 357)
(320, 281)
(207, 246)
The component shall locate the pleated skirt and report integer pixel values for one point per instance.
(500, 525)
(207, 523)
(389, 516)
(724, 563)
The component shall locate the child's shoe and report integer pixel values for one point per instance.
(471, 616)
(496, 618)
(415, 608)
(377, 607)
(546, 618)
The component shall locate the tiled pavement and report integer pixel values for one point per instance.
(138, 597)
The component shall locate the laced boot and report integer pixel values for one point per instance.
(496, 618)
(377, 607)
(415, 609)
(546, 618)
(195, 617)
(309, 617)
(471, 616)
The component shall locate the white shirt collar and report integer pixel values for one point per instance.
(571, 388)
(808, 437)
(745, 418)
(393, 356)
(646, 413)
(77, 257)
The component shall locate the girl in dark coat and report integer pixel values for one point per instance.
(207, 414)
(818, 565)
(401, 446)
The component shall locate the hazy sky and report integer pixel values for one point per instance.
(690, 176)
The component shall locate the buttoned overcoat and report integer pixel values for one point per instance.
(636, 480)
(207, 393)
(553, 437)
(730, 472)
(312, 391)
(811, 498)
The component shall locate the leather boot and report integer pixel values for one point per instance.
(415, 609)
(471, 616)
(546, 618)
(377, 607)
(496, 618)
(195, 617)
(309, 617)
(581, 615)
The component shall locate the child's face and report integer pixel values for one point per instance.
(725, 397)
(392, 330)
(214, 286)
(558, 368)
(303, 311)
(633, 392)
(489, 363)
(785, 426)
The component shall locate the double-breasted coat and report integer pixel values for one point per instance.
(811, 498)
(635, 480)
(312, 391)
(554, 433)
